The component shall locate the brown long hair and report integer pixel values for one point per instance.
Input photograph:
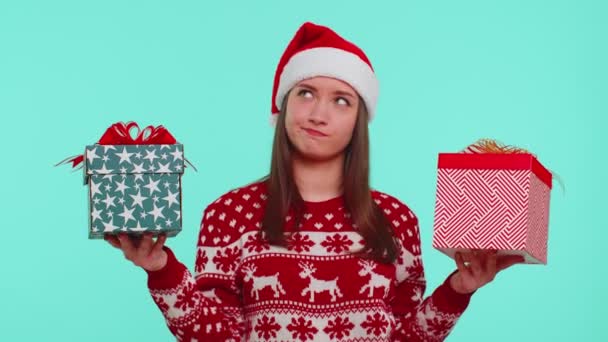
(283, 194)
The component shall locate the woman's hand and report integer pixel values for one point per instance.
(481, 267)
(142, 251)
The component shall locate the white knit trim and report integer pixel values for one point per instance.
(330, 62)
(274, 118)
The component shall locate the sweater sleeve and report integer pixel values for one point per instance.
(418, 318)
(206, 306)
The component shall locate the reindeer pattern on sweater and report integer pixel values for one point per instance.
(315, 289)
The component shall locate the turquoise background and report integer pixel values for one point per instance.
(528, 73)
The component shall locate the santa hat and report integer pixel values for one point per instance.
(317, 50)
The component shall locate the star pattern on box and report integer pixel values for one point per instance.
(134, 188)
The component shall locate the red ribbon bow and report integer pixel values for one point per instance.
(120, 134)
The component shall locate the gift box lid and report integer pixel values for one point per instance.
(133, 159)
(505, 161)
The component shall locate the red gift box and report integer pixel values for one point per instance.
(497, 200)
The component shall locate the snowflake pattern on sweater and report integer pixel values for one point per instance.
(244, 289)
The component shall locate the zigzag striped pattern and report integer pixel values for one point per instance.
(540, 197)
(491, 209)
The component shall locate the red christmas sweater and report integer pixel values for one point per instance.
(244, 289)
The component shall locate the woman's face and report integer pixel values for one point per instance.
(320, 117)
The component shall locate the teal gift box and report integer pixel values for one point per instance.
(134, 189)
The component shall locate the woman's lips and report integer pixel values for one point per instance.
(314, 132)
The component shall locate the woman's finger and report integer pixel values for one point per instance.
(462, 268)
(481, 257)
(113, 241)
(158, 245)
(491, 263)
(506, 261)
(145, 246)
(127, 246)
(465, 254)
(135, 240)
(475, 263)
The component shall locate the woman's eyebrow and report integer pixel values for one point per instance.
(304, 85)
(345, 93)
(337, 92)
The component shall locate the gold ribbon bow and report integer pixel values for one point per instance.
(486, 145)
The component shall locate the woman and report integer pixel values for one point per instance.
(311, 252)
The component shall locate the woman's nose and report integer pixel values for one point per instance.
(319, 112)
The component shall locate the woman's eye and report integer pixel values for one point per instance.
(344, 101)
(305, 93)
